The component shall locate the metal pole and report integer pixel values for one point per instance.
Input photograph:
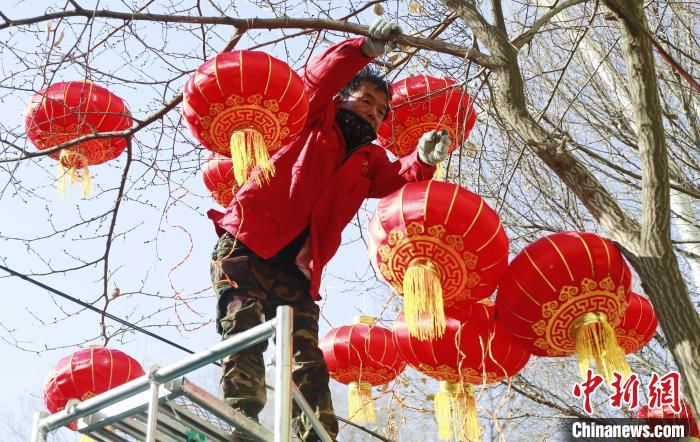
(152, 425)
(240, 341)
(309, 412)
(38, 433)
(283, 375)
(233, 344)
(92, 405)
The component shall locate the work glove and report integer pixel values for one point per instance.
(379, 31)
(433, 147)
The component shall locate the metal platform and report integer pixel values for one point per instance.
(159, 406)
(127, 420)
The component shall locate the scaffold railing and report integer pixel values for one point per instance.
(154, 407)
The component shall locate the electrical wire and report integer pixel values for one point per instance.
(97, 310)
(151, 334)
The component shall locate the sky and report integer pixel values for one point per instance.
(162, 246)
(160, 255)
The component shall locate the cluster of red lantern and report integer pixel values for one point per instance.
(443, 249)
(473, 350)
(437, 244)
(241, 104)
(245, 105)
(567, 293)
(67, 111)
(87, 373)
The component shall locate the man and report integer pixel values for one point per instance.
(276, 238)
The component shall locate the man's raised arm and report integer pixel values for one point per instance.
(327, 74)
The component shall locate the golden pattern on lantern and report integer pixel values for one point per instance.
(555, 334)
(628, 340)
(261, 104)
(235, 115)
(455, 264)
(414, 127)
(67, 111)
(442, 372)
(438, 245)
(361, 355)
(563, 294)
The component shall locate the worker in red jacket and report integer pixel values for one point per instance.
(276, 237)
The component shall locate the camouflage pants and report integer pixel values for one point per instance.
(248, 290)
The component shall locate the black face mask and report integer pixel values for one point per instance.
(356, 130)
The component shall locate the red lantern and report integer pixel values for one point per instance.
(438, 244)
(361, 355)
(66, 111)
(563, 294)
(685, 417)
(638, 324)
(423, 103)
(245, 104)
(87, 373)
(442, 359)
(218, 177)
(497, 357)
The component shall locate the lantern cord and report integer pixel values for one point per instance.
(440, 172)
(153, 335)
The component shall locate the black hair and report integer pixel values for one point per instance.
(367, 75)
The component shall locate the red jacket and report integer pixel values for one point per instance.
(315, 184)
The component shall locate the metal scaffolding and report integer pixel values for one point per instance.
(151, 407)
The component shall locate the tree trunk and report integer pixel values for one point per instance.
(653, 258)
(648, 247)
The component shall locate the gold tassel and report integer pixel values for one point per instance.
(471, 431)
(70, 163)
(422, 297)
(443, 411)
(61, 180)
(360, 405)
(595, 340)
(86, 182)
(248, 151)
(455, 412)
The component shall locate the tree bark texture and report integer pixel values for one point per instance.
(648, 247)
(654, 259)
